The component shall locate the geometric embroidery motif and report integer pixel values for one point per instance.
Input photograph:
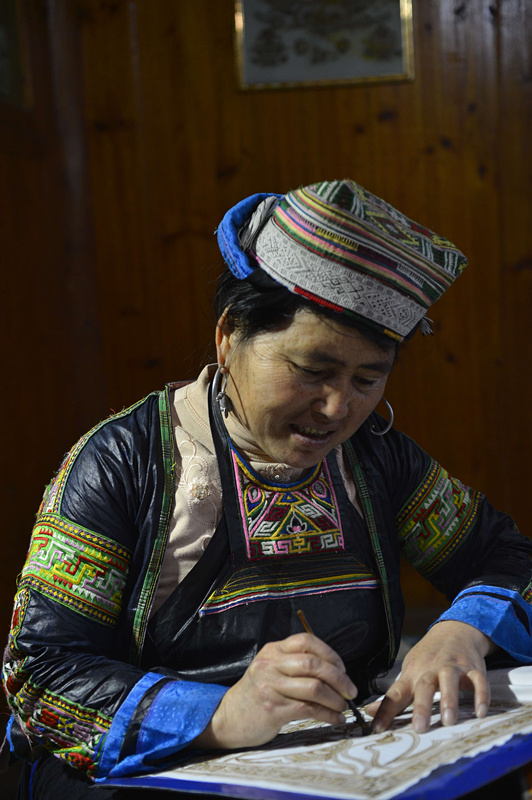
(290, 519)
(13, 673)
(436, 520)
(22, 599)
(75, 567)
(345, 288)
(74, 732)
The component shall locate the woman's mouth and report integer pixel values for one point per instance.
(312, 435)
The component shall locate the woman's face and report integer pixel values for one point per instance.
(302, 390)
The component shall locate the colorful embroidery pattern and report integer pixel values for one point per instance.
(14, 676)
(75, 567)
(291, 519)
(73, 732)
(22, 598)
(436, 520)
(293, 579)
(13, 673)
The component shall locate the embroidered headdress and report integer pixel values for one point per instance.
(342, 247)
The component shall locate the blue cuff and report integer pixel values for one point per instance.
(501, 614)
(179, 713)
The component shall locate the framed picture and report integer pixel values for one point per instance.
(287, 43)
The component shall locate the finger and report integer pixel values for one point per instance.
(306, 665)
(448, 679)
(396, 699)
(372, 708)
(311, 666)
(482, 691)
(307, 655)
(312, 692)
(281, 698)
(292, 709)
(308, 643)
(424, 692)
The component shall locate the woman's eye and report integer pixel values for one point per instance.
(310, 373)
(365, 381)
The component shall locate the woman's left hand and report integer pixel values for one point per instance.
(451, 656)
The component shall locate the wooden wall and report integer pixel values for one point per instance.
(137, 140)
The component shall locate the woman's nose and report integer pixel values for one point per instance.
(333, 403)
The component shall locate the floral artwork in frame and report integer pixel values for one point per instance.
(287, 43)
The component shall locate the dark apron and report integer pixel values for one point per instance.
(277, 549)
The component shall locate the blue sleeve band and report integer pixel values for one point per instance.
(112, 743)
(501, 614)
(179, 713)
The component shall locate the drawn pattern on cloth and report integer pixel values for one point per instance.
(287, 519)
(310, 758)
(436, 520)
(73, 733)
(319, 575)
(82, 570)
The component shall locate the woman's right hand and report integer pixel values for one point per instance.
(299, 677)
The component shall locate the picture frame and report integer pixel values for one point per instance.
(298, 43)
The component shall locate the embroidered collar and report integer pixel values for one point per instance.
(297, 518)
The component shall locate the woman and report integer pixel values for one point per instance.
(154, 618)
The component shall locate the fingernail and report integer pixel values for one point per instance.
(447, 717)
(419, 724)
(482, 710)
(353, 691)
(378, 727)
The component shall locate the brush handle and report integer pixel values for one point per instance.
(366, 727)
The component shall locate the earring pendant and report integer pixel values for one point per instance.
(222, 399)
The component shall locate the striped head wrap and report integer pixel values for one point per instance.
(343, 248)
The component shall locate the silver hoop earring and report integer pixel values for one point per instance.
(221, 398)
(374, 431)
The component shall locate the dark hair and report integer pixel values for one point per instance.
(258, 304)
